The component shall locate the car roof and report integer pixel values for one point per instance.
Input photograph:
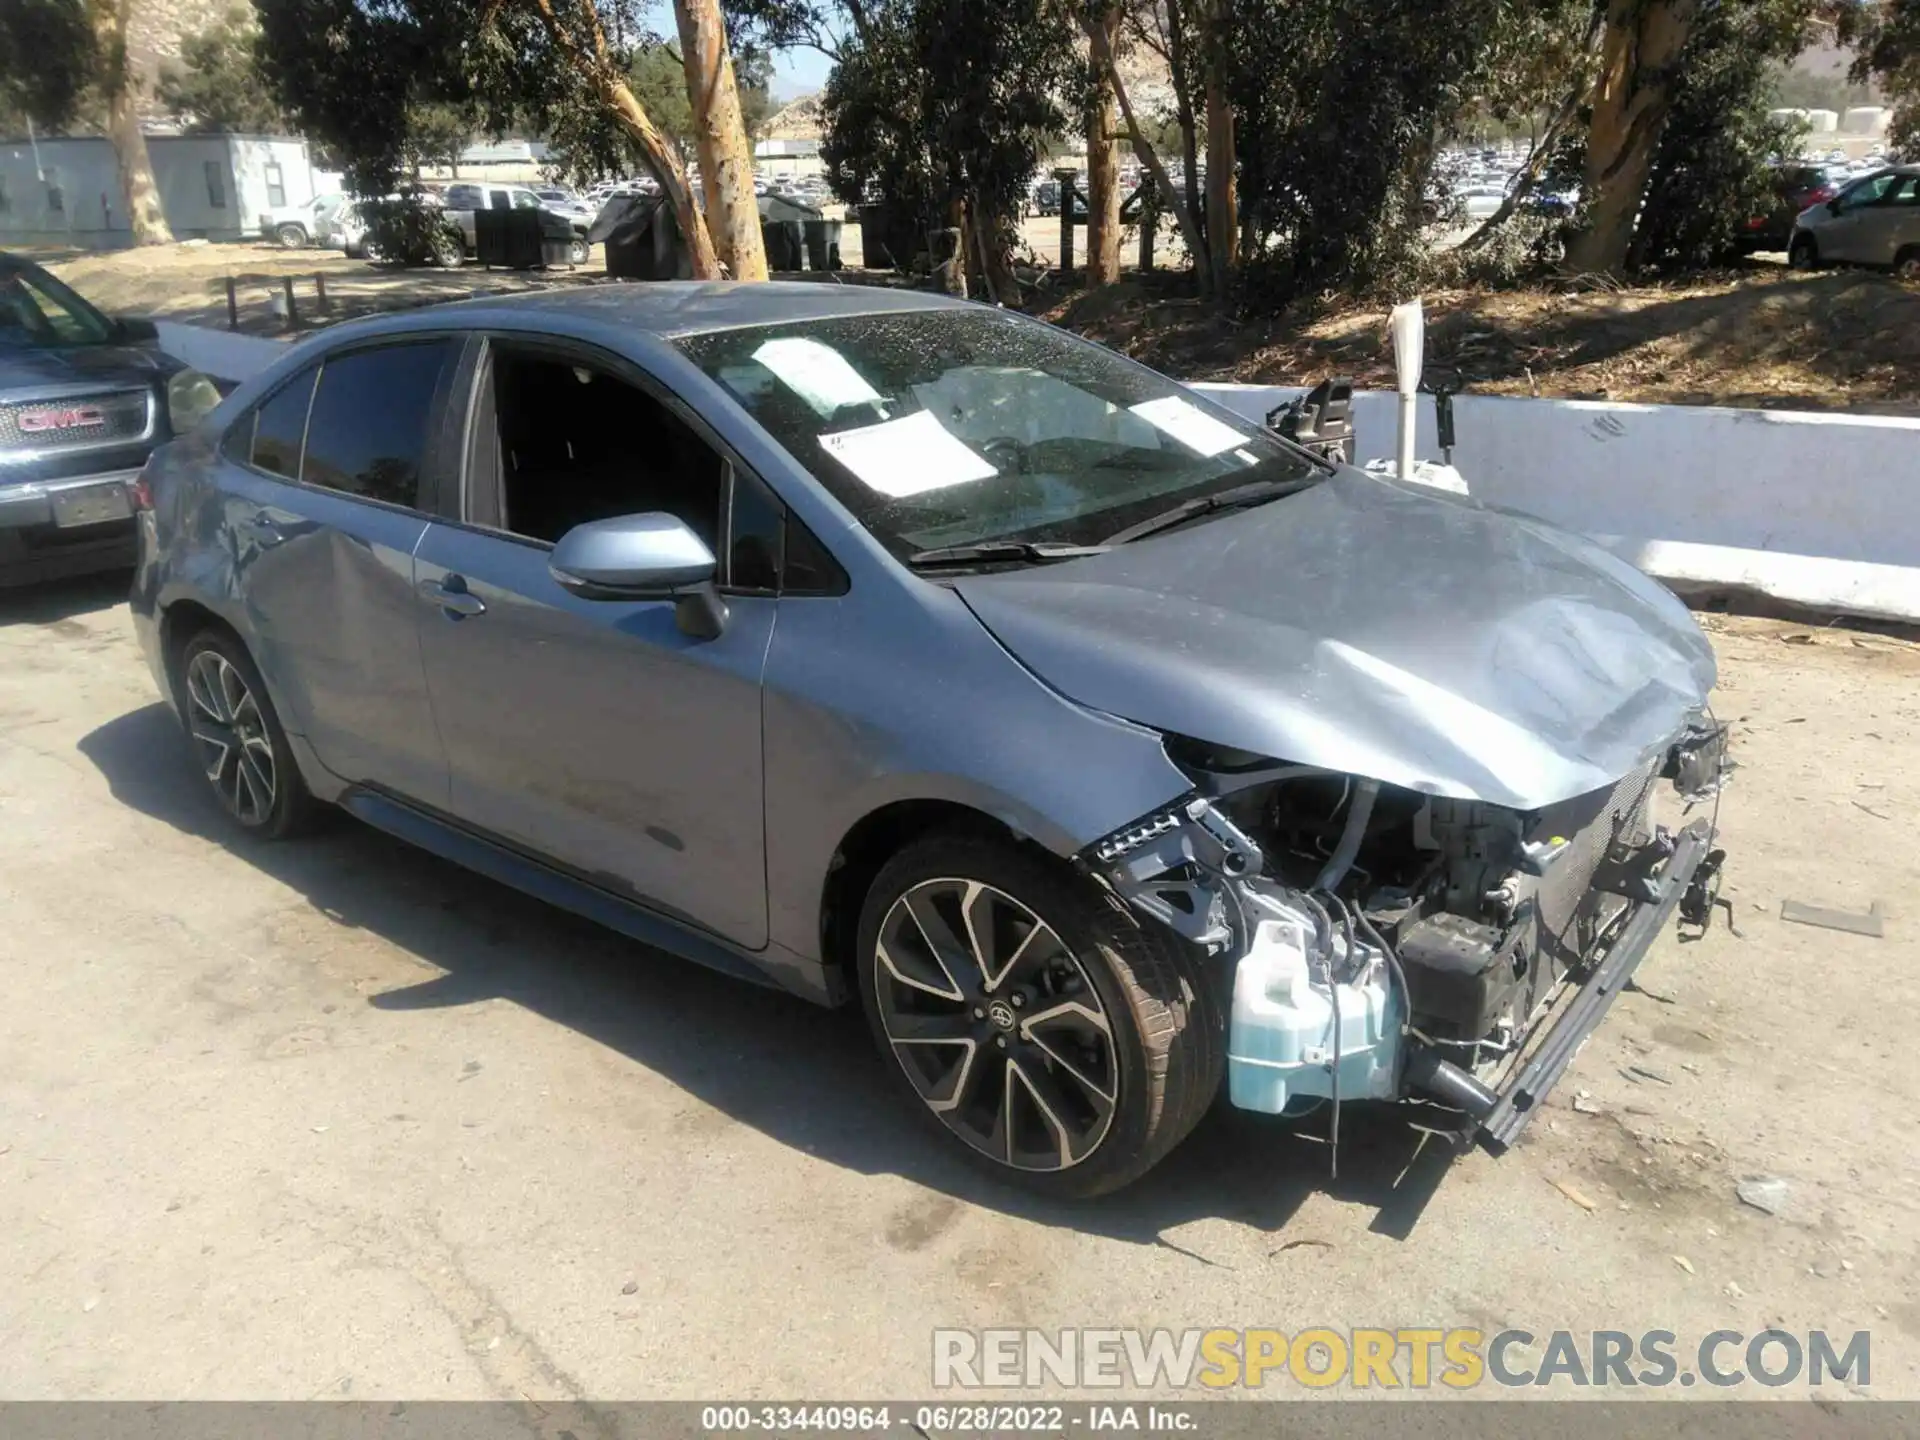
(672, 307)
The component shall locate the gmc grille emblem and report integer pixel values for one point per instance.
(74, 417)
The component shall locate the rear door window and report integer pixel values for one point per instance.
(282, 423)
(370, 424)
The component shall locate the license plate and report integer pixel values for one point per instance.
(94, 505)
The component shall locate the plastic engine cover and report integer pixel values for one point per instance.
(1280, 1046)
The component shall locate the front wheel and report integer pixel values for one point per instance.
(1906, 264)
(290, 236)
(238, 740)
(1064, 1046)
(576, 252)
(1803, 253)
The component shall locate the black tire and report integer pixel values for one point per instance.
(1906, 265)
(1145, 1069)
(1803, 253)
(250, 731)
(449, 251)
(291, 236)
(576, 252)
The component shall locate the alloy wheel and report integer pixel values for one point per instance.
(230, 733)
(997, 1024)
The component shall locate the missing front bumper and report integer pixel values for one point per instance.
(1685, 878)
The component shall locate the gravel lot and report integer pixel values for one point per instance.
(338, 1119)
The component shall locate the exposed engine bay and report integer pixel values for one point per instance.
(1385, 944)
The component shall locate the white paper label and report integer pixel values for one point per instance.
(818, 374)
(1189, 424)
(907, 456)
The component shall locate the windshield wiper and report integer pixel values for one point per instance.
(989, 552)
(1239, 497)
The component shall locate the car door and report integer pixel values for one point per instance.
(1848, 235)
(322, 496)
(1898, 222)
(595, 733)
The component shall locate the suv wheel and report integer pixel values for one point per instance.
(237, 738)
(1803, 254)
(1064, 1046)
(1907, 263)
(291, 236)
(576, 252)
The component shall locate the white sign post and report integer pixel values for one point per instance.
(1408, 327)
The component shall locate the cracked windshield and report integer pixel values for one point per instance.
(940, 429)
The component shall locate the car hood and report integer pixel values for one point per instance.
(1369, 628)
(22, 369)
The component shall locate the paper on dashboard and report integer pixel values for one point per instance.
(1189, 424)
(908, 456)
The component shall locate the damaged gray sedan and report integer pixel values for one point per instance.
(1107, 748)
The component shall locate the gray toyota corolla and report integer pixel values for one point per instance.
(1110, 748)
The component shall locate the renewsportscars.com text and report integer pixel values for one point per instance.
(1406, 1358)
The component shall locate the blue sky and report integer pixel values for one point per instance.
(795, 72)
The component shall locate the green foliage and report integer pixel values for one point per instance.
(1711, 170)
(1341, 110)
(409, 231)
(47, 60)
(1887, 36)
(934, 100)
(219, 84)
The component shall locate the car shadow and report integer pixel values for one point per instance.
(807, 1077)
(51, 601)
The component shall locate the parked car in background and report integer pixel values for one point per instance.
(83, 401)
(313, 223)
(1873, 221)
(1795, 187)
(1108, 749)
(562, 201)
(461, 201)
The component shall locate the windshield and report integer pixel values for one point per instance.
(939, 428)
(37, 312)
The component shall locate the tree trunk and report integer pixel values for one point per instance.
(1143, 147)
(720, 136)
(1103, 169)
(1182, 75)
(586, 51)
(950, 256)
(1223, 224)
(1638, 59)
(664, 161)
(137, 188)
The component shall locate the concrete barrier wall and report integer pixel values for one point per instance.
(219, 353)
(1818, 510)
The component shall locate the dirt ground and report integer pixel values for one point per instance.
(1762, 336)
(335, 1118)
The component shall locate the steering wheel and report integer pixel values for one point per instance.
(1015, 462)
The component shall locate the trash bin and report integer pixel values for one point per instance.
(508, 238)
(641, 239)
(889, 237)
(784, 247)
(823, 244)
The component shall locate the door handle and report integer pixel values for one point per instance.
(260, 527)
(452, 596)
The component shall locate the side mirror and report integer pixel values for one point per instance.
(135, 328)
(643, 557)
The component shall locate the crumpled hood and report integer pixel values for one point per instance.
(1367, 627)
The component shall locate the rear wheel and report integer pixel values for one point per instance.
(238, 740)
(1063, 1046)
(576, 252)
(1907, 263)
(1803, 253)
(291, 236)
(448, 251)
